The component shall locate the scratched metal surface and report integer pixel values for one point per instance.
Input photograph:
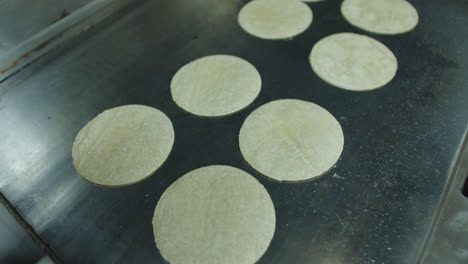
(375, 206)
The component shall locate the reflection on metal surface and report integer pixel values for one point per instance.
(448, 241)
(33, 33)
(21, 19)
(375, 206)
(28, 148)
(15, 246)
(25, 245)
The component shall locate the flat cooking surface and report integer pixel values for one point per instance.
(375, 206)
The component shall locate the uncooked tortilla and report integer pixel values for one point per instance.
(381, 16)
(123, 145)
(353, 62)
(291, 140)
(215, 214)
(275, 19)
(216, 85)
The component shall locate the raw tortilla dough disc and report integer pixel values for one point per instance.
(353, 62)
(291, 140)
(216, 85)
(381, 16)
(123, 145)
(275, 19)
(214, 214)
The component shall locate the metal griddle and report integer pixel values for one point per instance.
(377, 205)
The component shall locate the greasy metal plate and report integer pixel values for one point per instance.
(375, 206)
(448, 240)
(20, 19)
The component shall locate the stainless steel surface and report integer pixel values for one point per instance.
(449, 239)
(21, 19)
(375, 206)
(32, 29)
(31, 234)
(15, 244)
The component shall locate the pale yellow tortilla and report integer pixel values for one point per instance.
(353, 62)
(216, 85)
(215, 214)
(123, 145)
(275, 19)
(291, 140)
(381, 16)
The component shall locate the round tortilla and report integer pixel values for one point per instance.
(353, 62)
(381, 16)
(216, 85)
(291, 140)
(215, 214)
(275, 19)
(123, 145)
